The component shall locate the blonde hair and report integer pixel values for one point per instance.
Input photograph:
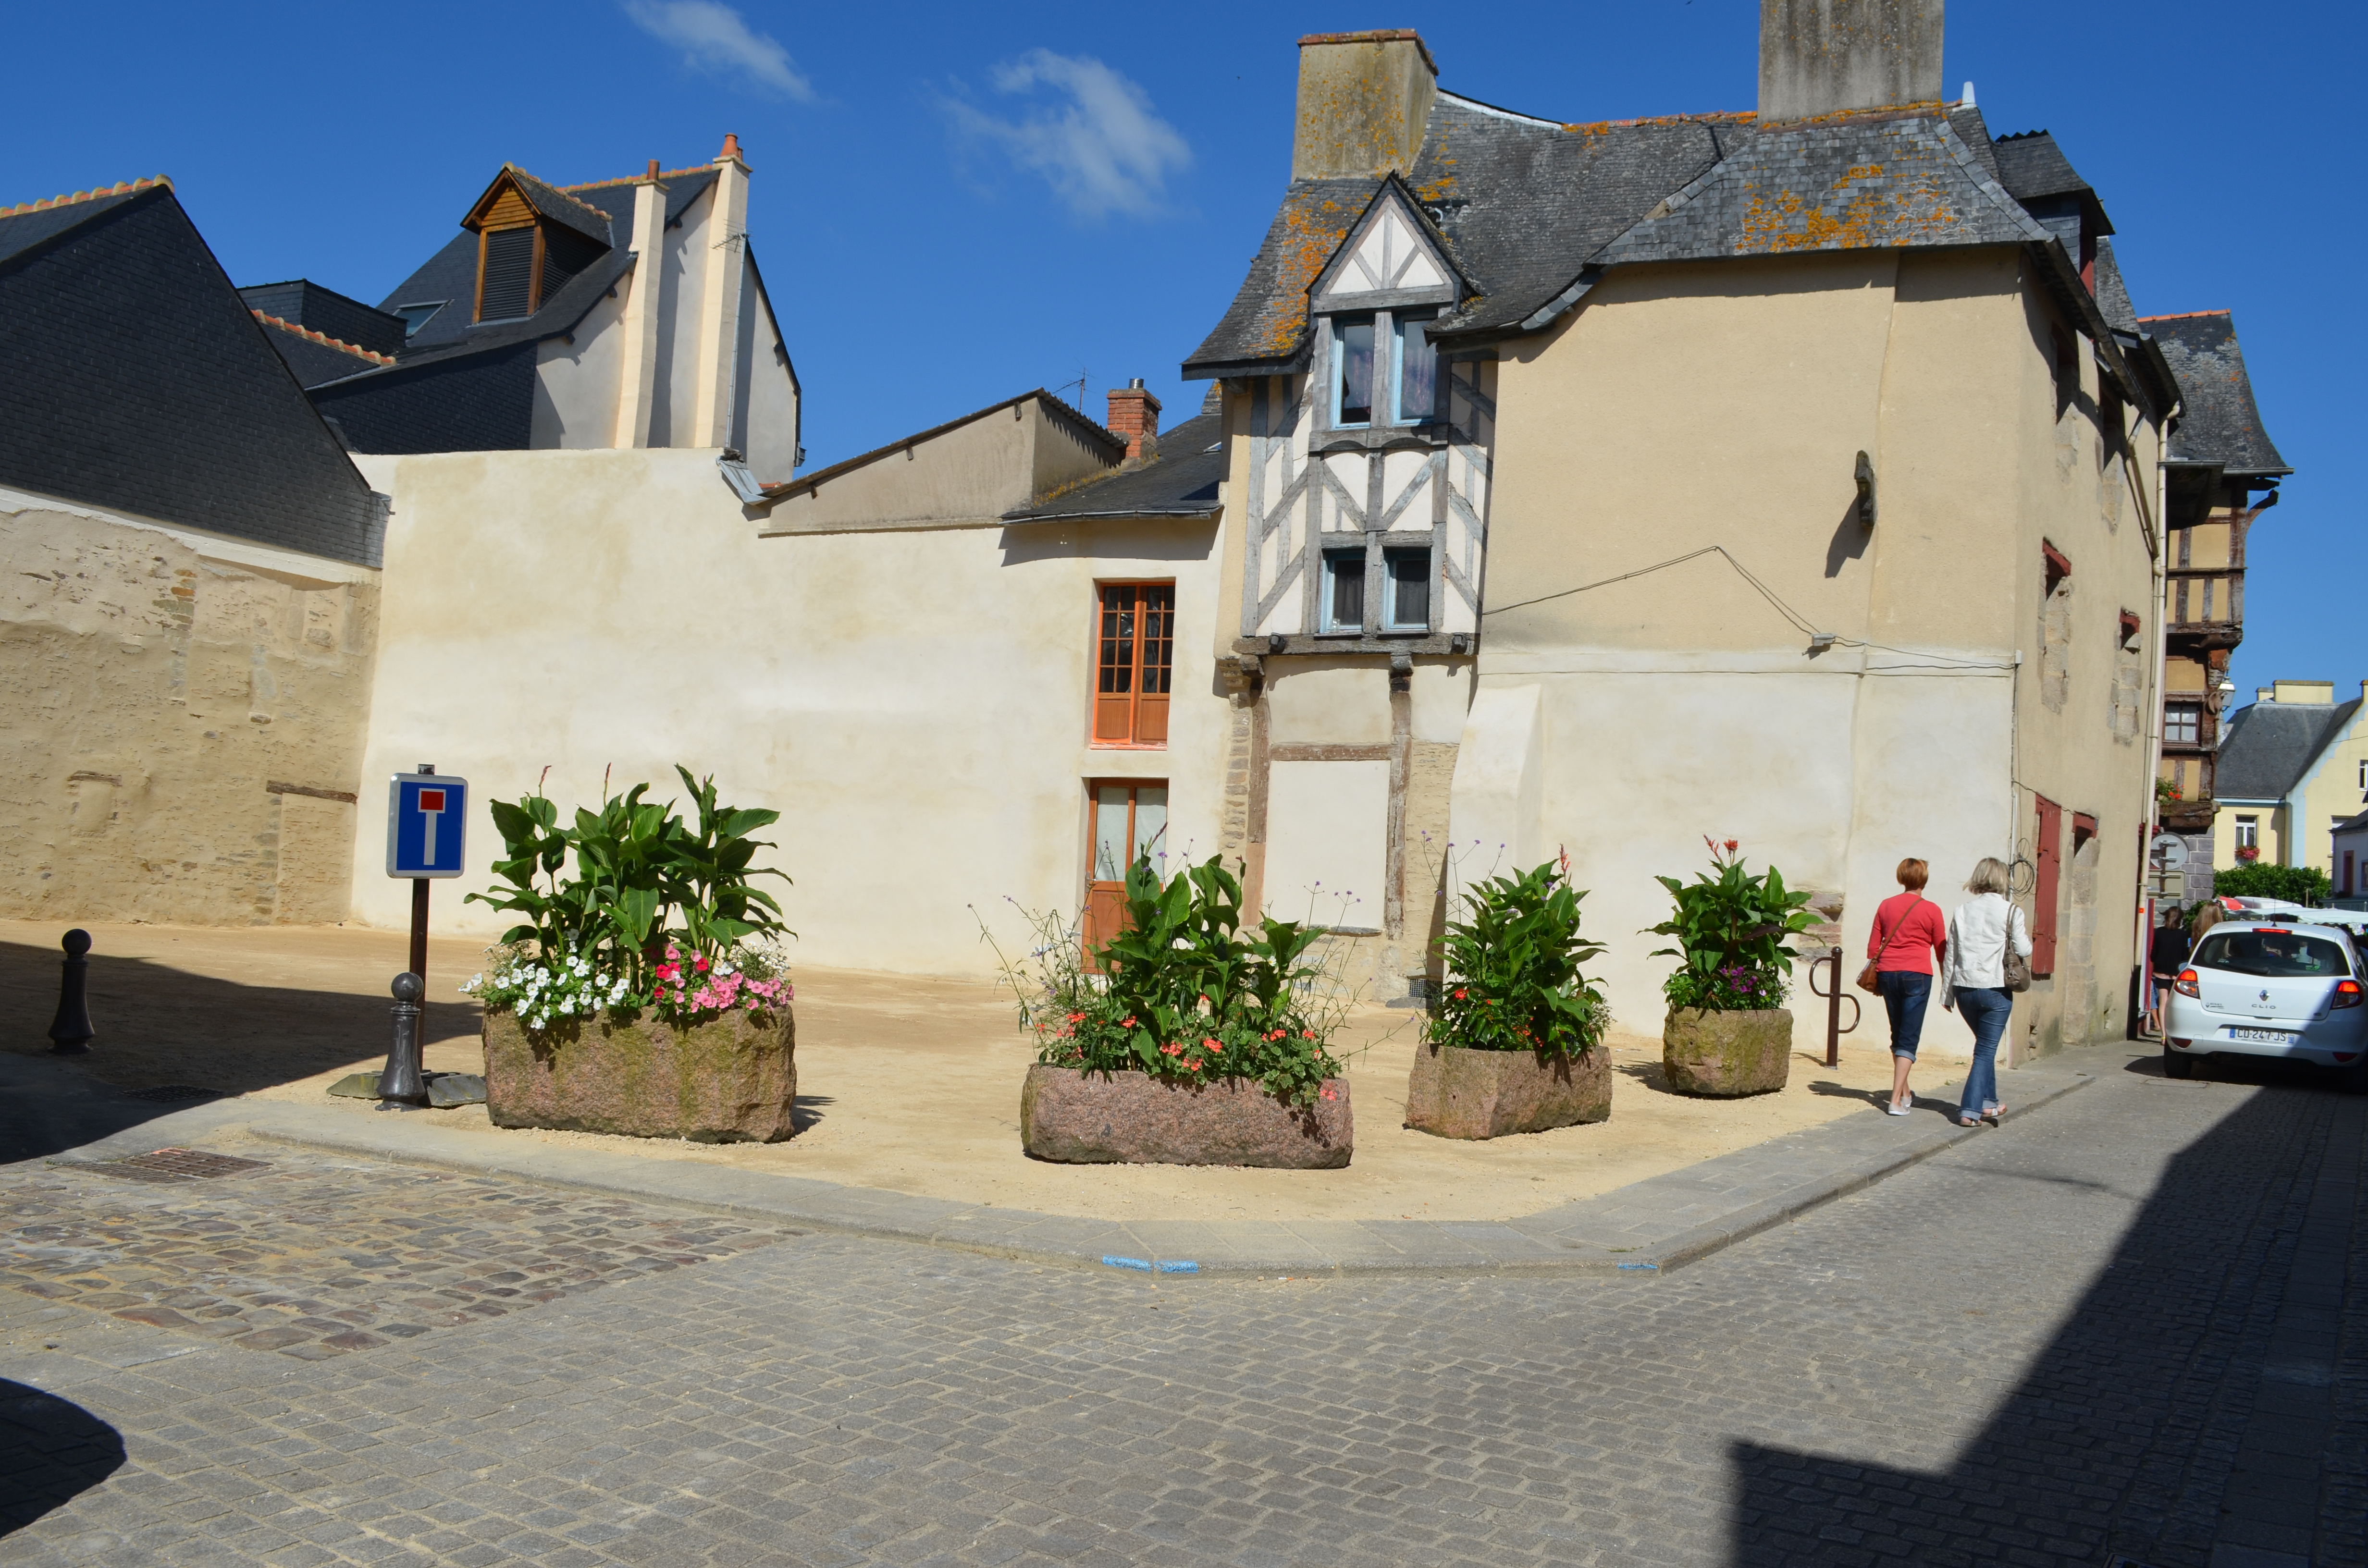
(1990, 875)
(1913, 874)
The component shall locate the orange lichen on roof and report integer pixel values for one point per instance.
(1922, 108)
(1308, 243)
(2183, 315)
(326, 341)
(1851, 216)
(125, 189)
(1599, 127)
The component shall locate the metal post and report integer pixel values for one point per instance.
(419, 931)
(401, 1083)
(69, 1031)
(1834, 1012)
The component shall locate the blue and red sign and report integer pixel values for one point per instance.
(426, 824)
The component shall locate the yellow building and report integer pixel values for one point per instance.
(2293, 769)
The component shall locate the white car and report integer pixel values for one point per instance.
(2270, 988)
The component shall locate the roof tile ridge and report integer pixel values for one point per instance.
(326, 341)
(1597, 126)
(636, 179)
(2186, 316)
(1922, 108)
(560, 189)
(122, 187)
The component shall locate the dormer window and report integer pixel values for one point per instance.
(1374, 304)
(1352, 371)
(1402, 380)
(525, 254)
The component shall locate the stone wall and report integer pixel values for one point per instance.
(181, 722)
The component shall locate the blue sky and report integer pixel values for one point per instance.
(955, 204)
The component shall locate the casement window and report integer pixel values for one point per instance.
(1406, 607)
(1344, 590)
(2248, 833)
(1130, 821)
(2183, 724)
(1135, 654)
(1387, 361)
(2047, 859)
(419, 315)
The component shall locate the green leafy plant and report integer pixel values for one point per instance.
(1512, 969)
(2305, 885)
(656, 910)
(1731, 928)
(1184, 992)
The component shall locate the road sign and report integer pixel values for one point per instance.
(2170, 851)
(426, 824)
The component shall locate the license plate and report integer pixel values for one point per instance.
(2267, 1037)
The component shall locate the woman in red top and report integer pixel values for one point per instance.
(1909, 934)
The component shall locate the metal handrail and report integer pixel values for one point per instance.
(1835, 996)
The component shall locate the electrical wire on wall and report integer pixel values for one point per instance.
(1820, 640)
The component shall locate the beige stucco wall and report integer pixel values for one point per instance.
(983, 467)
(1685, 703)
(166, 699)
(915, 703)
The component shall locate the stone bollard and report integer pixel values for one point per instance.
(69, 1031)
(401, 1084)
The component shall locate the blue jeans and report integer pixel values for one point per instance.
(1905, 997)
(1985, 1011)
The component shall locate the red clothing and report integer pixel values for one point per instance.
(1911, 933)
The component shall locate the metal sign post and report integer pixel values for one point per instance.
(426, 837)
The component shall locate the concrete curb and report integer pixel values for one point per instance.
(1659, 1224)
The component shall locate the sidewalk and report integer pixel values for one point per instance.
(1646, 1227)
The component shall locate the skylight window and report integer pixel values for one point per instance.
(416, 316)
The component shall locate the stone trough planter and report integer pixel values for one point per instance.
(1455, 1092)
(1133, 1119)
(725, 1081)
(1723, 1055)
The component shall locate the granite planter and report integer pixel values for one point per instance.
(1728, 1054)
(730, 1081)
(1133, 1119)
(1456, 1093)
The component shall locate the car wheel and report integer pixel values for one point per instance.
(2175, 1065)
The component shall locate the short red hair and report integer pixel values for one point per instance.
(1913, 874)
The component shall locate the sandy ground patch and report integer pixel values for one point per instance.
(910, 1083)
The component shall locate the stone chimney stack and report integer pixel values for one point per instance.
(1822, 56)
(1134, 416)
(1363, 100)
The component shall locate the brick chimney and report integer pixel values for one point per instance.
(1135, 417)
(1363, 100)
(1823, 56)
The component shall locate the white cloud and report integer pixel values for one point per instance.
(1099, 144)
(714, 36)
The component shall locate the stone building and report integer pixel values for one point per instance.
(190, 564)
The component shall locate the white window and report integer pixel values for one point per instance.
(2248, 833)
(1344, 590)
(1384, 361)
(1352, 371)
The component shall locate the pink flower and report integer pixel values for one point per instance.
(1329, 1093)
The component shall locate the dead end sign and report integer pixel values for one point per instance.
(426, 824)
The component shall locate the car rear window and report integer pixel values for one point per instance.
(2284, 955)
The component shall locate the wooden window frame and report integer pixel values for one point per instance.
(1100, 919)
(1146, 722)
(534, 268)
(2046, 886)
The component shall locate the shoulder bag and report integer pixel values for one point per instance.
(1871, 977)
(2017, 968)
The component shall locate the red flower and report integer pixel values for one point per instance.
(1194, 1065)
(1460, 993)
(1329, 1093)
(1307, 1034)
(1730, 846)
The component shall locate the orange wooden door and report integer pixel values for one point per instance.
(1130, 820)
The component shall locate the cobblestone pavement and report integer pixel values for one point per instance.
(2130, 1324)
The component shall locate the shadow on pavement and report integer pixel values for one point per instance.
(52, 1451)
(2119, 1440)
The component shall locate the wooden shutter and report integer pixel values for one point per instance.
(2048, 862)
(506, 286)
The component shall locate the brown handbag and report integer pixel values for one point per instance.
(1871, 978)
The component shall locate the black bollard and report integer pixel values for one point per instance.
(401, 1083)
(69, 1031)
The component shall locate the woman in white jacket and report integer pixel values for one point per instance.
(1975, 983)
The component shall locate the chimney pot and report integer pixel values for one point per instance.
(730, 147)
(1364, 99)
(1820, 57)
(1134, 418)
(654, 170)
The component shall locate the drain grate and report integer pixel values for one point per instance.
(171, 1164)
(173, 1092)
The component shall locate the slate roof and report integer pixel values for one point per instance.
(305, 303)
(2270, 745)
(315, 358)
(1181, 482)
(1531, 211)
(2220, 424)
(133, 378)
(2112, 294)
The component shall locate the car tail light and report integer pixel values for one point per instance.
(2343, 1055)
(2186, 984)
(2182, 1044)
(2347, 993)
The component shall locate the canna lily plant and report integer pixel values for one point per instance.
(1731, 930)
(1512, 969)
